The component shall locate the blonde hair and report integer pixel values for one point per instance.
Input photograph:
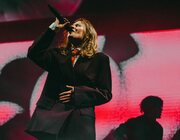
(89, 42)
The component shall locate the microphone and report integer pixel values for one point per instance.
(60, 18)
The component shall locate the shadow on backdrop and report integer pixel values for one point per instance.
(143, 127)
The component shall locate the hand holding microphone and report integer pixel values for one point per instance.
(61, 22)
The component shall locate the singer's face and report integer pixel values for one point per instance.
(78, 30)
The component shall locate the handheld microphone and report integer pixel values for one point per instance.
(60, 18)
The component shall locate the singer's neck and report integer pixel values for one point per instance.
(76, 43)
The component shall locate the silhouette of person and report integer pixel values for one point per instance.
(143, 127)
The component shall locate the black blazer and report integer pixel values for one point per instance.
(91, 77)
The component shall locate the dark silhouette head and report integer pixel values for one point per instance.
(151, 106)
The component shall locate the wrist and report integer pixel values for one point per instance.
(53, 26)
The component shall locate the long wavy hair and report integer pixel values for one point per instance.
(88, 44)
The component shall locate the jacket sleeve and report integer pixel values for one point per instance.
(39, 51)
(85, 96)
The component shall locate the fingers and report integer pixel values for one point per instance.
(65, 97)
(66, 20)
(65, 93)
(57, 21)
(70, 87)
(61, 25)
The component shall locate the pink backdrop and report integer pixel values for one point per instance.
(154, 70)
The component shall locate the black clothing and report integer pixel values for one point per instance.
(91, 78)
(139, 128)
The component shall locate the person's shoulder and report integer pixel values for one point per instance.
(131, 120)
(102, 56)
(159, 125)
(134, 120)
